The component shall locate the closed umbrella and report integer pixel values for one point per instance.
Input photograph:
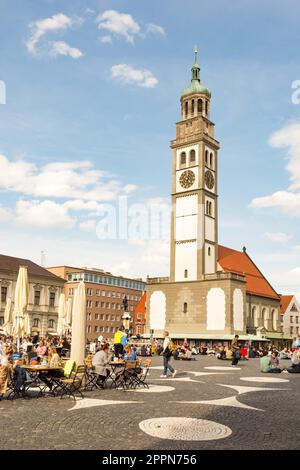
(79, 325)
(7, 326)
(69, 313)
(21, 302)
(62, 312)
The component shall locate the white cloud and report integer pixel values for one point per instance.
(106, 39)
(126, 74)
(119, 24)
(5, 214)
(43, 214)
(40, 27)
(289, 137)
(88, 226)
(288, 200)
(278, 237)
(62, 48)
(155, 29)
(77, 179)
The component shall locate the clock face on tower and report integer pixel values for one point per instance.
(187, 179)
(209, 179)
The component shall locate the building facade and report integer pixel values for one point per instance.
(139, 320)
(212, 291)
(44, 291)
(105, 295)
(290, 315)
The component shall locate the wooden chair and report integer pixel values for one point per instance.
(72, 385)
(140, 378)
(124, 378)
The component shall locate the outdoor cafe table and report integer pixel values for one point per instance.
(34, 372)
(114, 365)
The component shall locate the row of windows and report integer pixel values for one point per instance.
(192, 157)
(294, 331)
(113, 281)
(101, 316)
(37, 297)
(113, 306)
(195, 105)
(296, 319)
(104, 293)
(102, 329)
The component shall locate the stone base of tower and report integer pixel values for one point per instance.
(213, 306)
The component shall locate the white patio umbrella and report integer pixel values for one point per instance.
(20, 304)
(8, 325)
(62, 312)
(69, 313)
(79, 325)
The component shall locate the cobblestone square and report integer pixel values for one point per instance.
(208, 405)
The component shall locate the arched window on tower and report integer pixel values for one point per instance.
(185, 307)
(206, 108)
(211, 160)
(192, 156)
(193, 107)
(206, 157)
(209, 251)
(185, 273)
(182, 158)
(186, 108)
(200, 106)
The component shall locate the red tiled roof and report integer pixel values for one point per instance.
(239, 262)
(285, 301)
(10, 263)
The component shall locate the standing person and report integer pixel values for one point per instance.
(235, 350)
(118, 341)
(167, 354)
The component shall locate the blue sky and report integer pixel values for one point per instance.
(92, 97)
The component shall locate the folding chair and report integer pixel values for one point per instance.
(91, 378)
(140, 378)
(124, 378)
(72, 385)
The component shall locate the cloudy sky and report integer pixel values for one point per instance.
(92, 97)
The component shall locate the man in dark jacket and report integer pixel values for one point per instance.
(235, 351)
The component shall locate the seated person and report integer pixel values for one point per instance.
(19, 379)
(187, 355)
(53, 361)
(41, 349)
(265, 362)
(222, 353)
(100, 362)
(274, 363)
(130, 353)
(252, 353)
(284, 354)
(269, 364)
(295, 367)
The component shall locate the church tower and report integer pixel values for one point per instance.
(194, 224)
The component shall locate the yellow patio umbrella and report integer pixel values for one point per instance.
(21, 303)
(62, 312)
(79, 325)
(8, 325)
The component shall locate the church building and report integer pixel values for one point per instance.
(212, 292)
